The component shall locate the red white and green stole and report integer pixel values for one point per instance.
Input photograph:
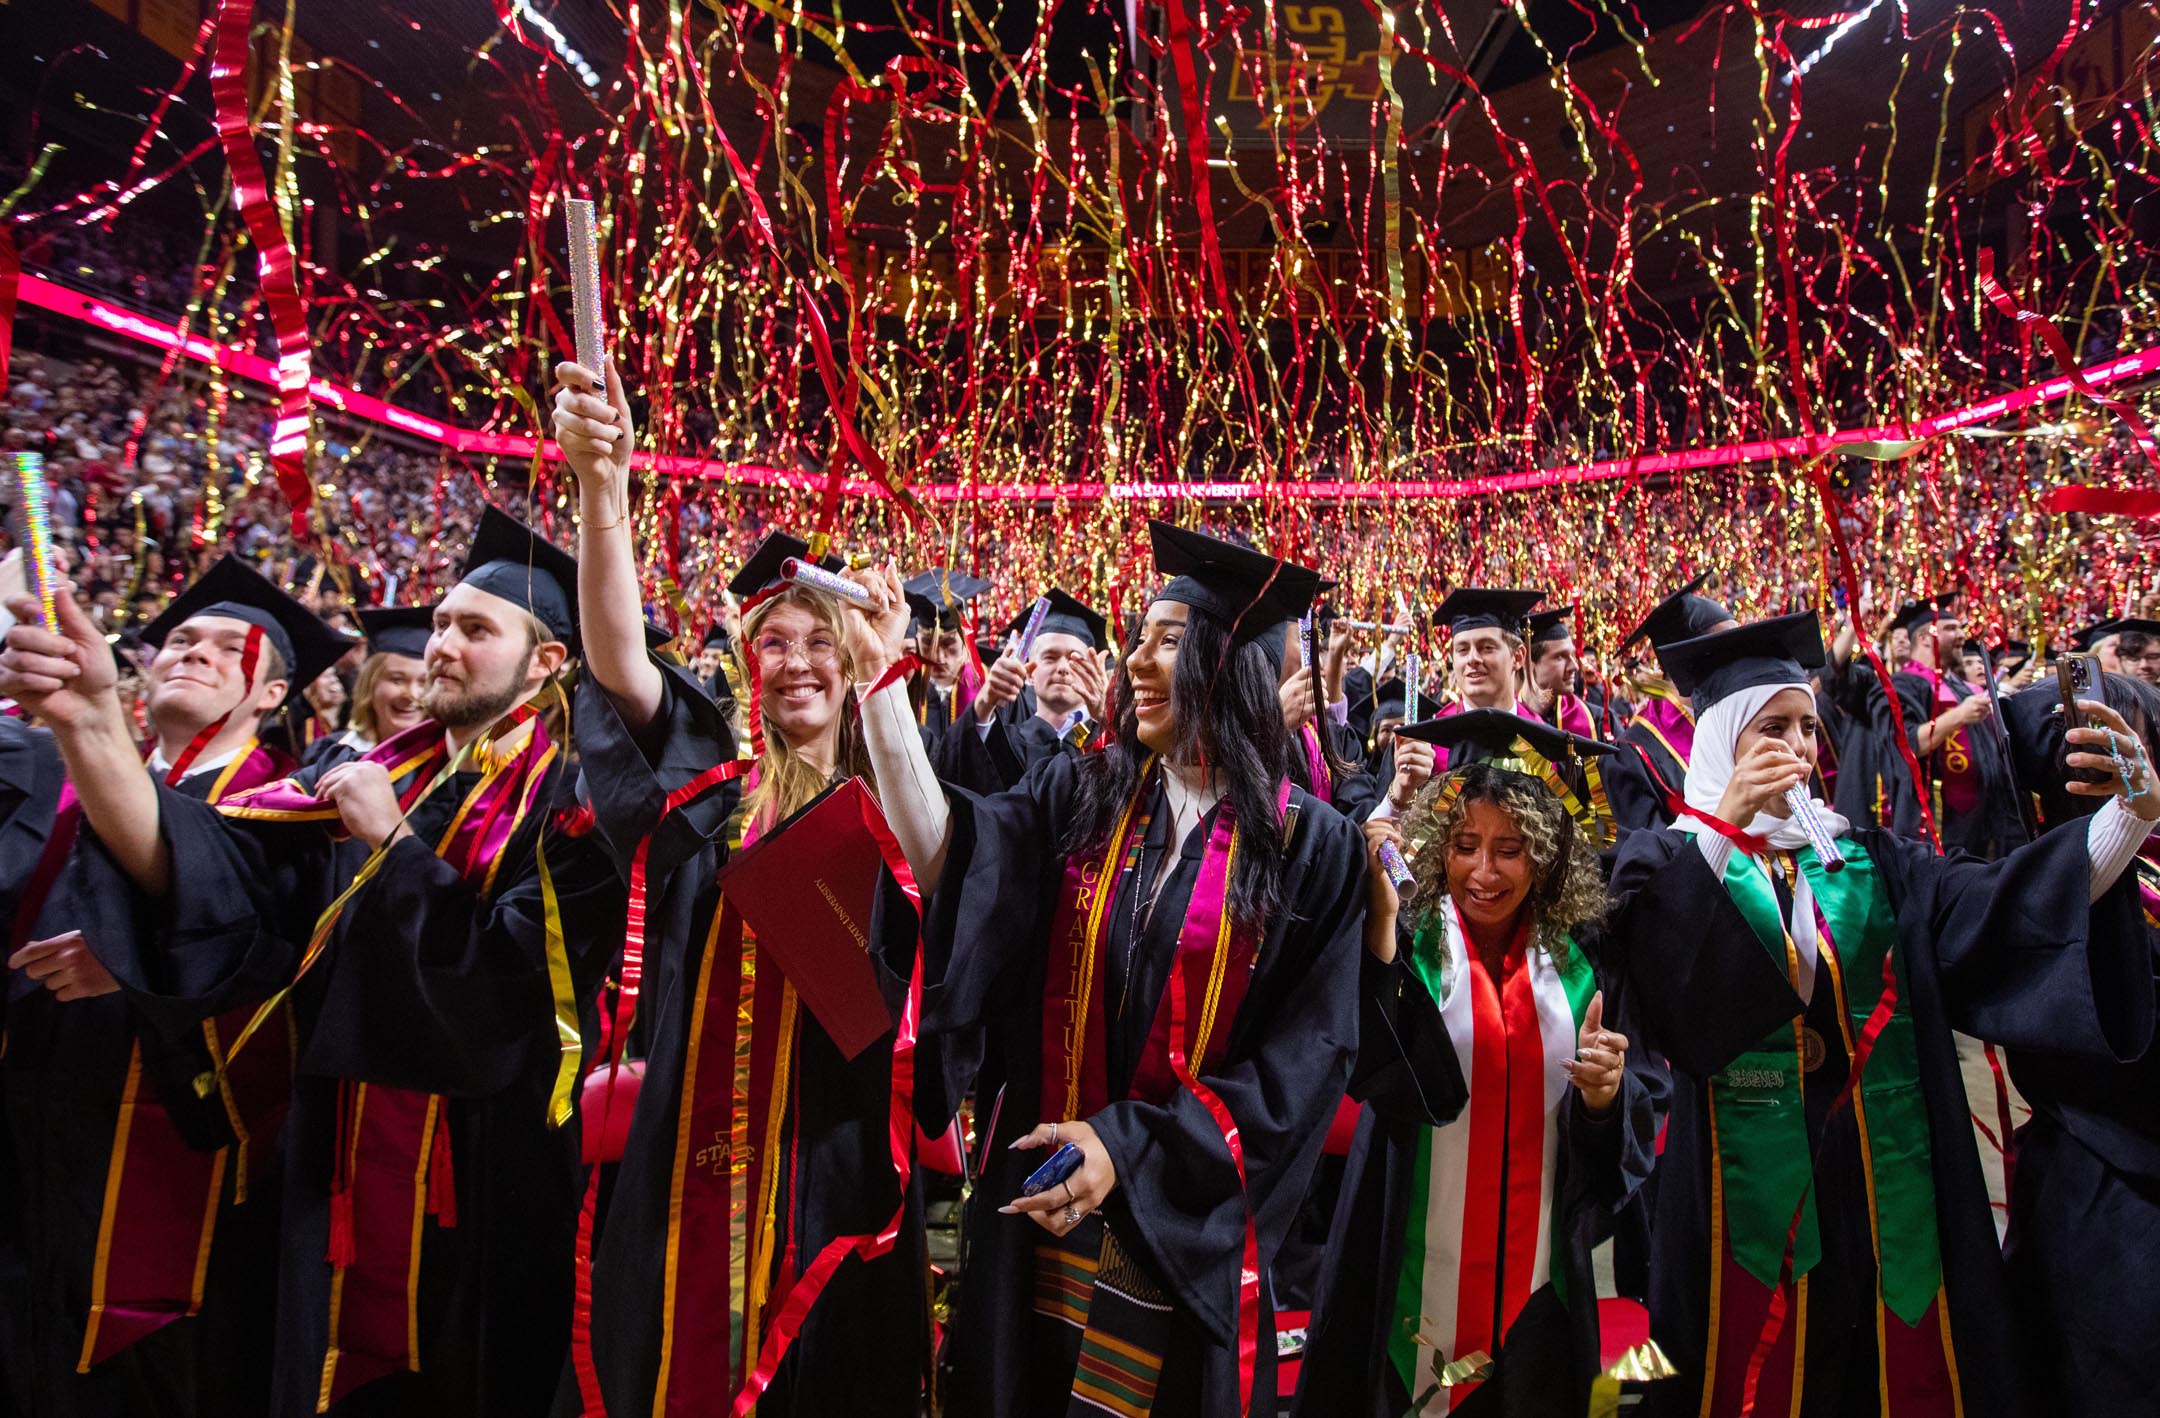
(393, 1166)
(1478, 1239)
(1764, 1238)
(162, 1198)
(1125, 1319)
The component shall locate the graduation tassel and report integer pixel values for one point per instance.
(442, 1180)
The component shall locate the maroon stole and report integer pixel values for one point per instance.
(1212, 968)
(1957, 779)
(393, 1167)
(162, 1197)
(1323, 783)
(1572, 714)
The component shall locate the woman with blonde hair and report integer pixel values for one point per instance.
(686, 1305)
(1506, 1118)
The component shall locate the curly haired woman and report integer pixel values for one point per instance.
(1506, 1119)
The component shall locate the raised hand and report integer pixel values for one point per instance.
(2107, 729)
(1296, 695)
(1600, 1060)
(66, 679)
(1760, 780)
(595, 434)
(1002, 684)
(877, 633)
(1414, 763)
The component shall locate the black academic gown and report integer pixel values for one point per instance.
(1874, 787)
(63, 1076)
(864, 1348)
(2007, 950)
(1177, 1207)
(990, 760)
(1636, 797)
(1992, 825)
(425, 986)
(1410, 1079)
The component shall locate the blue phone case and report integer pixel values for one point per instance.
(1062, 1164)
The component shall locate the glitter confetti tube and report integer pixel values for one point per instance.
(1818, 835)
(1035, 620)
(795, 569)
(1413, 677)
(1368, 626)
(1398, 870)
(39, 571)
(585, 285)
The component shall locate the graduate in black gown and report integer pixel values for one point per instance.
(182, 1201)
(1326, 755)
(443, 937)
(2085, 1195)
(1960, 745)
(719, 1208)
(1039, 699)
(950, 669)
(386, 693)
(1161, 938)
(1656, 743)
(1760, 973)
(1507, 1117)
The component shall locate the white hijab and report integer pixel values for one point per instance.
(1710, 768)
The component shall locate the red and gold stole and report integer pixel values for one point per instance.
(393, 1167)
(1213, 963)
(162, 1197)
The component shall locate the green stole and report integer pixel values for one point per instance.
(1759, 1117)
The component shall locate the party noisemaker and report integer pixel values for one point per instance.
(1397, 869)
(1413, 673)
(1035, 620)
(39, 570)
(585, 286)
(1811, 823)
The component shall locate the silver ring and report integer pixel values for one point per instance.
(1053, 1134)
(1072, 1197)
(1072, 1215)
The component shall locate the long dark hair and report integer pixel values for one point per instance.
(1230, 718)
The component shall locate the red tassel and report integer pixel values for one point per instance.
(575, 821)
(442, 1181)
(342, 1251)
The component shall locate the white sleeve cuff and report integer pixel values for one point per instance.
(2112, 837)
(1717, 851)
(982, 726)
(908, 791)
(1385, 812)
(1339, 711)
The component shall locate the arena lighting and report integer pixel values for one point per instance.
(62, 300)
(561, 43)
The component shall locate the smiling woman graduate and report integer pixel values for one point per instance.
(1161, 938)
(1848, 1226)
(1509, 1112)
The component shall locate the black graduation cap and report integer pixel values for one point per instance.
(1476, 734)
(761, 571)
(1388, 700)
(511, 560)
(2133, 625)
(937, 596)
(1067, 616)
(235, 589)
(398, 630)
(1486, 608)
(716, 636)
(1547, 626)
(1915, 614)
(1781, 650)
(1249, 590)
(1683, 615)
(2014, 652)
(1973, 647)
(2098, 631)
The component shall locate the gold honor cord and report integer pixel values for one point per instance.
(327, 922)
(569, 1029)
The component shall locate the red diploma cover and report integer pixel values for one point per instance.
(808, 890)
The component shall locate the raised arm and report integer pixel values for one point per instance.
(67, 681)
(596, 436)
(908, 789)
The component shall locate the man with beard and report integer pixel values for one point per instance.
(143, 1215)
(419, 908)
(1959, 744)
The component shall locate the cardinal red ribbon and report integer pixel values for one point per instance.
(2065, 360)
(279, 275)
